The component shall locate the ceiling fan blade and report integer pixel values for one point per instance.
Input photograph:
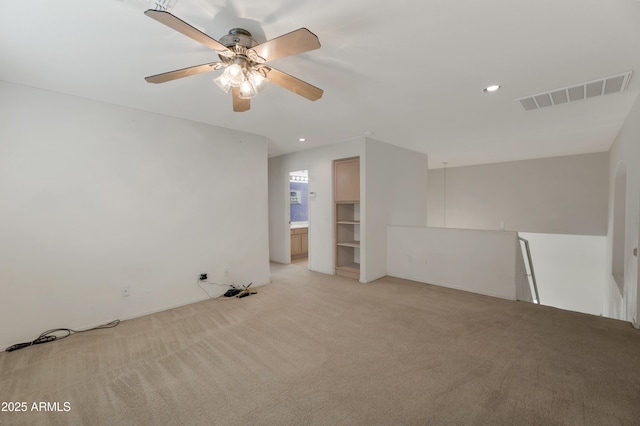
(295, 42)
(239, 105)
(184, 72)
(293, 84)
(179, 25)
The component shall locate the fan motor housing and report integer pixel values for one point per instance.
(238, 37)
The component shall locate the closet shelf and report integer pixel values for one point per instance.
(355, 244)
(350, 267)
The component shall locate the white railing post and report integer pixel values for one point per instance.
(532, 274)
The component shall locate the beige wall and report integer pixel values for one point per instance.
(95, 197)
(565, 195)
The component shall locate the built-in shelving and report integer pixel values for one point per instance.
(347, 217)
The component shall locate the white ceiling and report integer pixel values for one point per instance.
(442, 53)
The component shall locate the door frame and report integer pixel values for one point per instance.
(287, 201)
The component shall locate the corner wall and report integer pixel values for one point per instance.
(626, 151)
(392, 182)
(95, 197)
(395, 182)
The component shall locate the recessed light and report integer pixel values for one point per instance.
(302, 139)
(493, 88)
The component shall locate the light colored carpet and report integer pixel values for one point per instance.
(311, 349)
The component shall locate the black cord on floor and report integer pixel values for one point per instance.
(209, 282)
(50, 336)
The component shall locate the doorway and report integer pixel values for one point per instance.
(299, 216)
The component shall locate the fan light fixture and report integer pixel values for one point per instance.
(243, 59)
(249, 78)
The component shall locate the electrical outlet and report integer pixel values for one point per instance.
(125, 291)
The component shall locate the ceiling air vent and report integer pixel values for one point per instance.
(604, 86)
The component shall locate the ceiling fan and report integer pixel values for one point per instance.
(244, 60)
